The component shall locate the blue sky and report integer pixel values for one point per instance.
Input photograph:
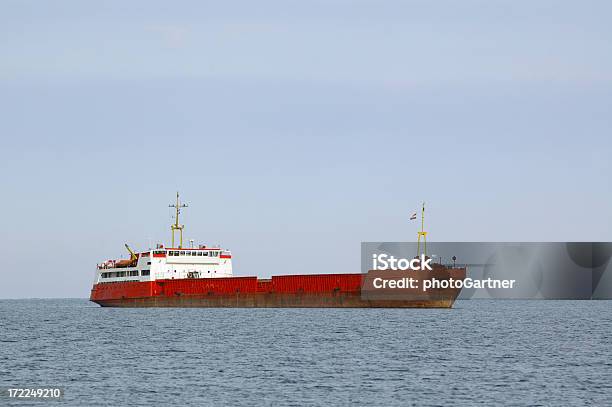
(296, 129)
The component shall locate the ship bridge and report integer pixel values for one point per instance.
(168, 263)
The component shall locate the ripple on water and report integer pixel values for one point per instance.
(481, 352)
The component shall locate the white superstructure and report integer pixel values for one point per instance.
(168, 263)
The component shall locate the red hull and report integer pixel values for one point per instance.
(316, 290)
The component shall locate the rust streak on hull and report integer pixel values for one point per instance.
(275, 300)
(290, 291)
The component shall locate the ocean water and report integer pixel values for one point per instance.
(479, 353)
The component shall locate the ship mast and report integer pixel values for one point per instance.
(176, 225)
(422, 234)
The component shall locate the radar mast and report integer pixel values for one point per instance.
(176, 225)
(422, 234)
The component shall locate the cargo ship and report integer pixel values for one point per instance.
(201, 276)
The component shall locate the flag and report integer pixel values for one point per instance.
(413, 216)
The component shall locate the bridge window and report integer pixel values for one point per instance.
(199, 253)
(146, 272)
(182, 253)
(204, 253)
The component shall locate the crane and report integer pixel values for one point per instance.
(131, 262)
(133, 256)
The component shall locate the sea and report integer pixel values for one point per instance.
(481, 352)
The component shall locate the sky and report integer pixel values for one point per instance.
(295, 130)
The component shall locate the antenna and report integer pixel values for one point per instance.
(176, 226)
(422, 234)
